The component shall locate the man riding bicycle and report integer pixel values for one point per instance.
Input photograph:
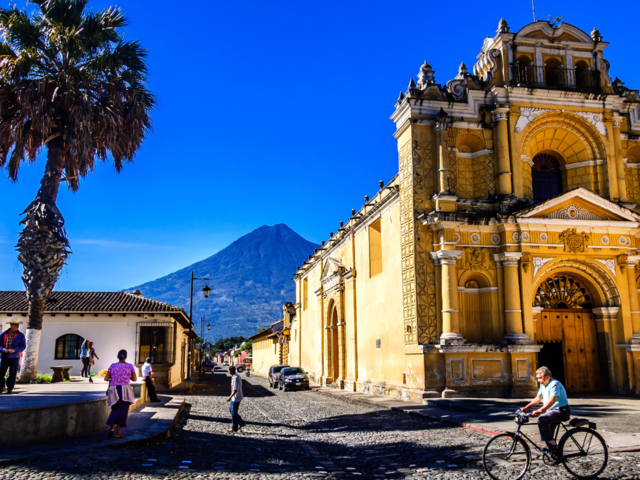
(555, 406)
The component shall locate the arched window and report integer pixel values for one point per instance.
(583, 78)
(526, 72)
(68, 347)
(546, 176)
(553, 73)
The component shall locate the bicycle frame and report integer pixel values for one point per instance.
(518, 433)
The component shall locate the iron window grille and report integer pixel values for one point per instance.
(68, 347)
(155, 341)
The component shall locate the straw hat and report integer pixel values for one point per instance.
(14, 321)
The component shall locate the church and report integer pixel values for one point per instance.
(507, 240)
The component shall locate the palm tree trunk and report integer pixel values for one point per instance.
(42, 249)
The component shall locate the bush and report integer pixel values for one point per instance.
(44, 378)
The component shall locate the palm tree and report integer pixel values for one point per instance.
(71, 83)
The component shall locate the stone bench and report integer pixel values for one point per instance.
(60, 373)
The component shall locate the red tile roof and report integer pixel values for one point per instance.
(87, 302)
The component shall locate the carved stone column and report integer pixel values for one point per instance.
(501, 149)
(441, 127)
(450, 309)
(514, 329)
(632, 262)
(617, 148)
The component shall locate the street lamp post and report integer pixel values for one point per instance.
(206, 290)
(202, 343)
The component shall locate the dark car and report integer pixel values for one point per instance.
(292, 378)
(274, 375)
(208, 367)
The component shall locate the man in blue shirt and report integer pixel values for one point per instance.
(555, 406)
(12, 343)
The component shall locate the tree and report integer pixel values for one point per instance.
(71, 83)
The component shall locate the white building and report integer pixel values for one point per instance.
(113, 321)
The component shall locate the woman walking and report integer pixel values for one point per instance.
(91, 362)
(84, 356)
(120, 395)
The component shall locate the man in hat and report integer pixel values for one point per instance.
(12, 343)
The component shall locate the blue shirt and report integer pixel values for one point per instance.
(554, 389)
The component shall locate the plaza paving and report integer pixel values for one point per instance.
(293, 435)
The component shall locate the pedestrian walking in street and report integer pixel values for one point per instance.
(235, 398)
(147, 374)
(91, 362)
(12, 344)
(84, 356)
(120, 394)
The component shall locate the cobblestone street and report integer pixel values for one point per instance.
(294, 435)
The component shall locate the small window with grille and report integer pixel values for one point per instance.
(155, 341)
(546, 177)
(68, 347)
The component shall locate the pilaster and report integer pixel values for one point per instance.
(514, 328)
(447, 259)
(501, 148)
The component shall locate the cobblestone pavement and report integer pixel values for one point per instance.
(294, 435)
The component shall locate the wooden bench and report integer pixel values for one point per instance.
(61, 373)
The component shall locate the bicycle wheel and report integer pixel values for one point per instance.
(506, 457)
(584, 452)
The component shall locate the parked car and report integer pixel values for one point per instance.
(292, 378)
(225, 364)
(274, 375)
(208, 368)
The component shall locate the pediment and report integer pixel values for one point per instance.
(331, 266)
(564, 33)
(580, 205)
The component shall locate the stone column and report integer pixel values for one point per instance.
(514, 330)
(617, 148)
(450, 310)
(442, 145)
(501, 149)
(632, 262)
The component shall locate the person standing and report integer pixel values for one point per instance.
(12, 344)
(91, 362)
(235, 398)
(84, 356)
(120, 395)
(147, 374)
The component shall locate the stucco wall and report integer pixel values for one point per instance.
(264, 354)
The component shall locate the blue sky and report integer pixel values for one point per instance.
(269, 112)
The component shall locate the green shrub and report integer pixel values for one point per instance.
(44, 377)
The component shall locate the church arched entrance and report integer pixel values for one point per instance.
(567, 330)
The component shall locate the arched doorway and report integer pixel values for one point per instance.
(335, 359)
(567, 330)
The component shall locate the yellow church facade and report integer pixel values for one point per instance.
(508, 239)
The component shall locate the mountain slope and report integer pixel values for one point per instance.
(250, 280)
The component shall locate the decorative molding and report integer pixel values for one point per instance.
(543, 237)
(596, 119)
(527, 159)
(573, 212)
(498, 116)
(609, 263)
(525, 236)
(586, 163)
(624, 241)
(528, 115)
(538, 263)
(516, 237)
(574, 242)
(479, 153)
(508, 259)
(475, 238)
(604, 240)
(495, 239)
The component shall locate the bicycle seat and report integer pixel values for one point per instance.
(578, 422)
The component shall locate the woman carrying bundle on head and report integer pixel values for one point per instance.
(120, 395)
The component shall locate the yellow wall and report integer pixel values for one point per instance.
(264, 354)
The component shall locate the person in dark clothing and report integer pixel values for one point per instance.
(12, 344)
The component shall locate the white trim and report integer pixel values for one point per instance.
(513, 311)
(581, 223)
(588, 163)
(450, 310)
(479, 153)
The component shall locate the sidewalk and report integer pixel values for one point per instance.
(152, 422)
(617, 418)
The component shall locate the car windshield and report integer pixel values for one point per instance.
(293, 371)
(277, 369)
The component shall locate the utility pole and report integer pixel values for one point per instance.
(533, 4)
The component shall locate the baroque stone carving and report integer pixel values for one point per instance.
(604, 239)
(609, 263)
(527, 115)
(525, 261)
(543, 237)
(596, 120)
(495, 239)
(538, 263)
(516, 237)
(475, 238)
(624, 241)
(525, 236)
(573, 212)
(574, 242)
(474, 259)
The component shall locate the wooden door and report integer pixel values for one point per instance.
(576, 329)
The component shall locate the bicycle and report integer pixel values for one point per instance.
(581, 450)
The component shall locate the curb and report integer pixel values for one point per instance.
(444, 420)
(151, 435)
